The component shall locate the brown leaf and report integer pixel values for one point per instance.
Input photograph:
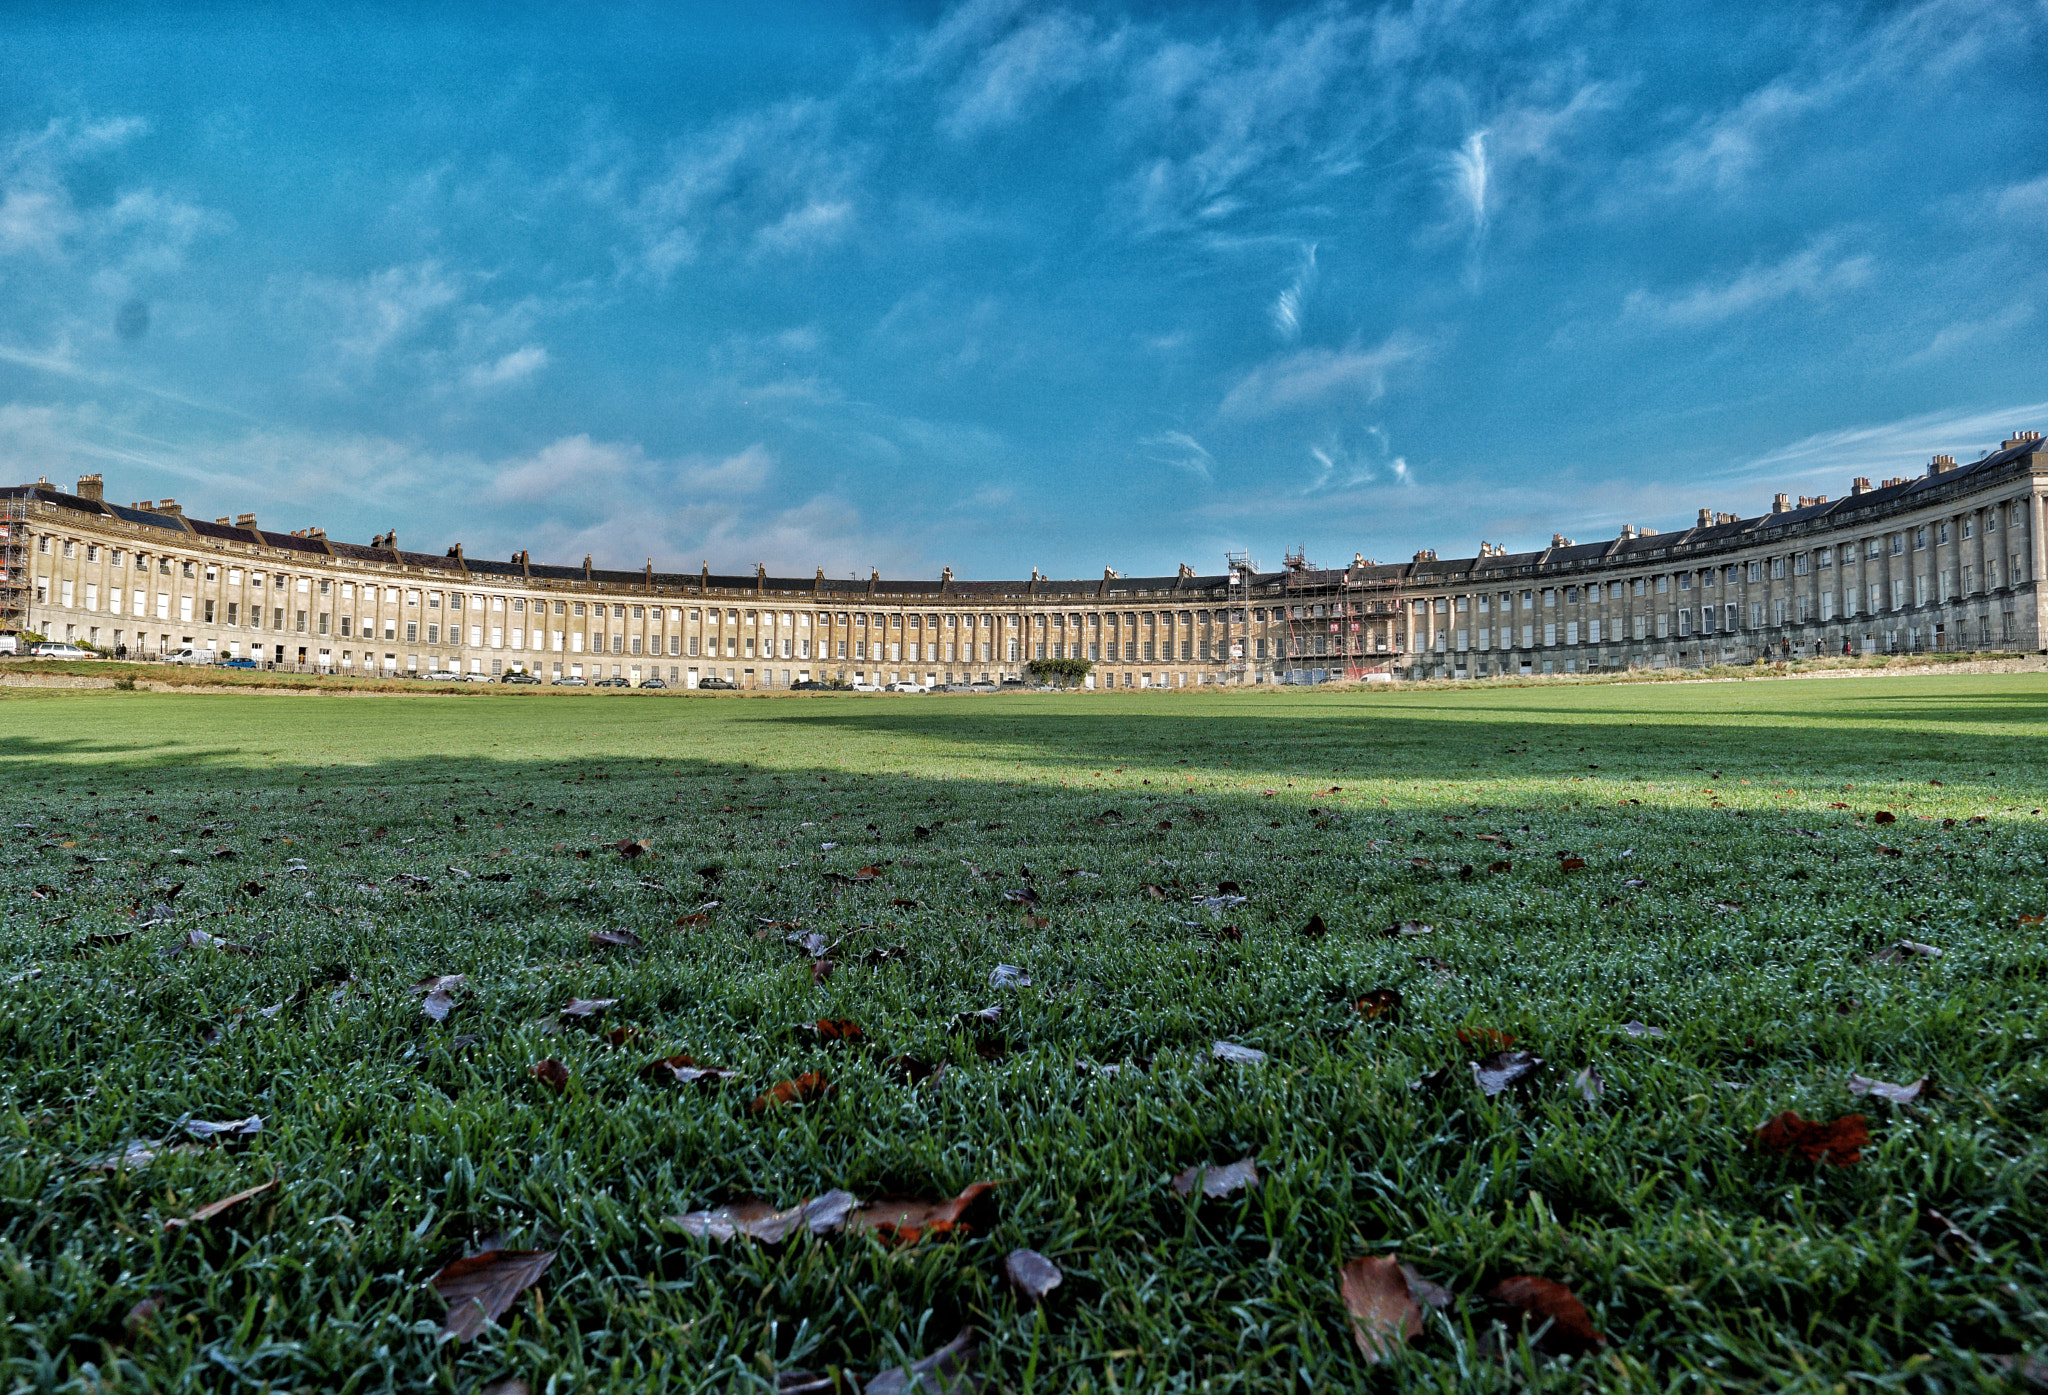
(215, 1208)
(1497, 1072)
(909, 1220)
(837, 1029)
(252, 888)
(619, 1036)
(913, 1071)
(614, 939)
(1570, 864)
(1217, 1182)
(1157, 893)
(1546, 1300)
(1885, 1090)
(1032, 1274)
(630, 848)
(1381, 1002)
(479, 1289)
(1484, 1037)
(1946, 1232)
(947, 1371)
(551, 1073)
(1315, 929)
(511, 1385)
(754, 1219)
(587, 1007)
(1500, 866)
(811, 1085)
(821, 969)
(1884, 816)
(1839, 1142)
(1384, 1315)
(1590, 1084)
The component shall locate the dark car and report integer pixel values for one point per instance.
(653, 683)
(611, 683)
(717, 683)
(518, 676)
(238, 663)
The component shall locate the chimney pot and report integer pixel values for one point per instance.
(246, 520)
(92, 487)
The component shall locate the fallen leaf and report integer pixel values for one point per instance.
(1590, 1084)
(1570, 864)
(587, 1007)
(1885, 1090)
(226, 1128)
(1157, 893)
(437, 1005)
(1384, 1315)
(1903, 950)
(1032, 1274)
(141, 1318)
(252, 888)
(1408, 929)
(810, 942)
(1008, 976)
(821, 969)
(1484, 1037)
(1500, 866)
(551, 1073)
(1884, 816)
(614, 939)
(215, 1208)
(1839, 1142)
(687, 1070)
(1381, 1002)
(908, 1220)
(839, 1029)
(1639, 1031)
(1022, 896)
(619, 1036)
(1236, 1055)
(944, 1372)
(1217, 1182)
(1497, 1072)
(1944, 1231)
(480, 1288)
(1315, 929)
(810, 1085)
(1547, 1301)
(911, 1070)
(139, 1152)
(511, 1385)
(1219, 903)
(630, 848)
(762, 1221)
(1429, 1082)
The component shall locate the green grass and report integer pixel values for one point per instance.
(1707, 1265)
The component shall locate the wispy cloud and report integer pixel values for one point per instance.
(1288, 307)
(515, 367)
(1815, 273)
(1311, 377)
(1045, 56)
(1827, 460)
(1182, 451)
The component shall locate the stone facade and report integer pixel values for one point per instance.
(1946, 560)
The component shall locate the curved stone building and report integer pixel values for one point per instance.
(1945, 560)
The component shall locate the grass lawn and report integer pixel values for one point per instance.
(219, 906)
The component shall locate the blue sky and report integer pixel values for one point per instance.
(1002, 285)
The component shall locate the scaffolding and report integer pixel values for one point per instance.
(14, 563)
(1341, 624)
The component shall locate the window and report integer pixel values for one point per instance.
(1919, 539)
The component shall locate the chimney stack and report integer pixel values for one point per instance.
(1781, 503)
(1859, 485)
(1706, 518)
(246, 520)
(170, 508)
(1941, 464)
(92, 487)
(2019, 438)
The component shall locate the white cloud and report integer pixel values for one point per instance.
(1816, 273)
(744, 473)
(515, 367)
(2028, 200)
(1825, 462)
(1042, 58)
(1289, 305)
(802, 229)
(1468, 176)
(1310, 377)
(1182, 451)
(371, 314)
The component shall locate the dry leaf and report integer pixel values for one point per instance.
(1381, 1002)
(907, 1220)
(1384, 1315)
(1032, 1274)
(225, 1128)
(1902, 950)
(1008, 976)
(479, 1289)
(1502, 1069)
(687, 1070)
(839, 1029)
(1839, 1142)
(760, 1220)
(1500, 866)
(946, 1371)
(1546, 1300)
(1315, 929)
(614, 939)
(1884, 816)
(1233, 1054)
(551, 1073)
(215, 1208)
(1408, 929)
(1885, 1090)
(1570, 864)
(587, 1007)
(1217, 1182)
(1639, 1031)
(1590, 1084)
(811, 1085)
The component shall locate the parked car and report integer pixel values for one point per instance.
(906, 687)
(572, 681)
(58, 649)
(187, 655)
(476, 678)
(653, 683)
(238, 663)
(867, 688)
(716, 684)
(521, 676)
(611, 683)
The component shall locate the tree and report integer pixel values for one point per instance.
(1054, 670)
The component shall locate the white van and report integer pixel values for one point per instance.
(187, 655)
